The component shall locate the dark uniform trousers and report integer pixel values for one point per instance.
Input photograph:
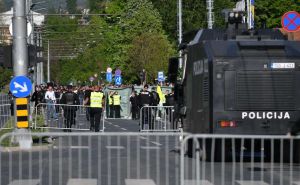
(70, 115)
(95, 118)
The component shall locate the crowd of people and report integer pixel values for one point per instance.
(69, 98)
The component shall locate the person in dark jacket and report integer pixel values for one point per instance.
(145, 99)
(69, 99)
(134, 105)
(37, 97)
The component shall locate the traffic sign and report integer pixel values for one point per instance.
(109, 77)
(91, 78)
(109, 70)
(161, 76)
(118, 80)
(118, 72)
(290, 21)
(20, 86)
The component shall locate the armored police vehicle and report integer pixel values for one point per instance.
(239, 81)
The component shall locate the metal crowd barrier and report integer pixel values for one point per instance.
(92, 158)
(4, 99)
(243, 160)
(158, 118)
(6, 118)
(62, 116)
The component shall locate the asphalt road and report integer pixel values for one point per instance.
(132, 159)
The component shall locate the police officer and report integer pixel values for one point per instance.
(145, 99)
(111, 106)
(69, 99)
(96, 104)
(117, 104)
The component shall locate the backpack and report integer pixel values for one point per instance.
(70, 99)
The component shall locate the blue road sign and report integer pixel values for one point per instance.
(290, 21)
(20, 86)
(118, 72)
(160, 77)
(109, 77)
(118, 80)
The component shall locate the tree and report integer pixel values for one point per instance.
(5, 76)
(72, 6)
(151, 52)
(269, 12)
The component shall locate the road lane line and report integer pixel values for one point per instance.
(25, 182)
(115, 147)
(82, 181)
(116, 125)
(79, 147)
(123, 128)
(252, 183)
(156, 143)
(139, 182)
(194, 182)
(142, 137)
(150, 147)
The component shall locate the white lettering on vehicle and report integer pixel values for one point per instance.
(198, 68)
(266, 115)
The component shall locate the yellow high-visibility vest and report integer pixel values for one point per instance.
(110, 101)
(117, 99)
(96, 99)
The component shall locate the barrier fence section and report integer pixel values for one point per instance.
(5, 99)
(7, 120)
(66, 117)
(158, 118)
(244, 160)
(93, 158)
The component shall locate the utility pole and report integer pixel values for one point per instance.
(180, 30)
(48, 63)
(210, 13)
(20, 50)
(20, 65)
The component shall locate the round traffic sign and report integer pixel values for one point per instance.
(290, 21)
(20, 86)
(91, 79)
(118, 72)
(109, 70)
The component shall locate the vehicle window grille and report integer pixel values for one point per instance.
(261, 90)
(205, 89)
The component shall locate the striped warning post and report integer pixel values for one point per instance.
(22, 112)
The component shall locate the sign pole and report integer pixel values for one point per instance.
(20, 68)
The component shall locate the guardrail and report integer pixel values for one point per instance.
(239, 159)
(66, 117)
(7, 120)
(92, 158)
(158, 119)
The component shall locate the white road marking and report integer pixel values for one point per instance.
(150, 147)
(139, 182)
(82, 181)
(116, 125)
(123, 128)
(252, 183)
(194, 182)
(143, 137)
(115, 147)
(25, 182)
(79, 147)
(156, 143)
(296, 182)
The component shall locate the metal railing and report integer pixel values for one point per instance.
(230, 160)
(4, 99)
(7, 120)
(158, 118)
(92, 158)
(66, 117)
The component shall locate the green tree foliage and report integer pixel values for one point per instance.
(151, 52)
(5, 76)
(72, 6)
(271, 11)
